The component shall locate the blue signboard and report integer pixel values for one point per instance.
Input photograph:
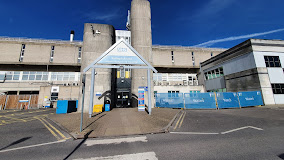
(200, 100)
(227, 100)
(121, 54)
(169, 100)
(253, 98)
(141, 99)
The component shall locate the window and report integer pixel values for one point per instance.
(173, 57)
(79, 54)
(272, 61)
(51, 54)
(278, 88)
(22, 52)
(211, 54)
(216, 73)
(173, 93)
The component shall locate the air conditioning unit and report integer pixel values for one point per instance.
(190, 83)
(160, 83)
(185, 83)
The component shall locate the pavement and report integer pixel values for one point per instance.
(117, 122)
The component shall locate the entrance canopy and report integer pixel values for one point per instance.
(121, 53)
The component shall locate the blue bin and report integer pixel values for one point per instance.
(107, 107)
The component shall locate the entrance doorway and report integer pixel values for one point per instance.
(123, 99)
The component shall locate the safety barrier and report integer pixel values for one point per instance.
(199, 101)
(250, 99)
(227, 100)
(169, 100)
(208, 100)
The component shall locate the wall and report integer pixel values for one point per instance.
(37, 51)
(162, 56)
(217, 83)
(181, 89)
(94, 46)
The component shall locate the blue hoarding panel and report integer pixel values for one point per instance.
(253, 98)
(227, 100)
(169, 100)
(62, 106)
(200, 100)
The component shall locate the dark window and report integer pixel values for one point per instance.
(173, 56)
(278, 88)
(272, 61)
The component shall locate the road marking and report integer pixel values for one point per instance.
(50, 130)
(54, 129)
(31, 146)
(198, 133)
(179, 120)
(237, 129)
(136, 156)
(182, 120)
(116, 141)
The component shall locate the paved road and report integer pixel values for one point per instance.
(251, 133)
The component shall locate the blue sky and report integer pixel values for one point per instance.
(204, 23)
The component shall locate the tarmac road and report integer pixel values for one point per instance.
(249, 133)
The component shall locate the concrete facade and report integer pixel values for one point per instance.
(97, 39)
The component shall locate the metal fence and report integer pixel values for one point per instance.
(208, 100)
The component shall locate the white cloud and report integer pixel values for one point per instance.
(212, 8)
(95, 16)
(210, 43)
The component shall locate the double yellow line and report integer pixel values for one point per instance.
(55, 132)
(180, 120)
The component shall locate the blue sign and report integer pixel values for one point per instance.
(253, 98)
(169, 100)
(200, 101)
(227, 100)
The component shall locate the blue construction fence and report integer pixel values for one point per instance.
(208, 100)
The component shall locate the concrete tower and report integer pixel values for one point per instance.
(97, 39)
(141, 40)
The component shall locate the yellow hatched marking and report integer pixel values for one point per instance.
(16, 119)
(54, 128)
(182, 120)
(50, 130)
(178, 121)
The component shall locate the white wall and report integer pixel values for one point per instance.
(181, 89)
(276, 75)
(279, 98)
(259, 58)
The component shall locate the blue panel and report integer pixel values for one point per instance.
(62, 106)
(77, 104)
(250, 98)
(169, 100)
(227, 100)
(107, 107)
(200, 101)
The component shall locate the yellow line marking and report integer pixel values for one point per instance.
(182, 120)
(50, 130)
(54, 128)
(178, 121)
(16, 119)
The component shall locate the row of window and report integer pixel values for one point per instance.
(52, 51)
(192, 57)
(174, 77)
(42, 76)
(218, 90)
(216, 73)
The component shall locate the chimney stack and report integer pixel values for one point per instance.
(72, 36)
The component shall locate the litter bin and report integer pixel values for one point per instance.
(107, 105)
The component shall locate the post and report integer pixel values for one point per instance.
(92, 93)
(149, 92)
(7, 96)
(29, 102)
(83, 95)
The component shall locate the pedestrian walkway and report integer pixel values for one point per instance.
(117, 122)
